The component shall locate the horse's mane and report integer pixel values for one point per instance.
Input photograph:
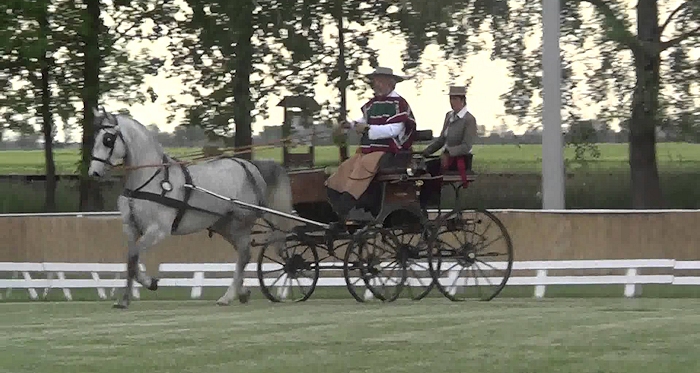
(137, 125)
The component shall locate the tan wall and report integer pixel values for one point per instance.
(541, 236)
(535, 236)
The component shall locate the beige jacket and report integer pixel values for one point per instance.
(457, 135)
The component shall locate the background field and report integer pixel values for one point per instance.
(509, 176)
(488, 158)
(576, 336)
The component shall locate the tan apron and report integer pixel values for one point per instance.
(355, 174)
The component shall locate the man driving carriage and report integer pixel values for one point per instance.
(387, 126)
(456, 140)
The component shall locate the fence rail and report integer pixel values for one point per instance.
(33, 276)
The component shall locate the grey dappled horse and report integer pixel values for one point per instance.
(156, 204)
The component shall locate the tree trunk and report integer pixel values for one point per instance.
(241, 88)
(90, 198)
(342, 73)
(47, 118)
(646, 186)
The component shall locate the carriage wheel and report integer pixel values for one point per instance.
(279, 273)
(471, 255)
(375, 261)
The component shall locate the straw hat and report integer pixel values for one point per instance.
(386, 71)
(457, 91)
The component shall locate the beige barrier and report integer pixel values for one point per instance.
(536, 235)
(603, 235)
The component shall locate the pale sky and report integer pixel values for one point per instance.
(429, 103)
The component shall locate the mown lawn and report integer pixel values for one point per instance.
(511, 335)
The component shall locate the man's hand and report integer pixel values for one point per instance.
(445, 160)
(361, 127)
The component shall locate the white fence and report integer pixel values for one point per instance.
(100, 276)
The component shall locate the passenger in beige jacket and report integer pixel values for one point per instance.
(455, 141)
(458, 129)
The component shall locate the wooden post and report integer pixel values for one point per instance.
(343, 75)
(286, 130)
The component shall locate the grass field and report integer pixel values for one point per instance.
(505, 335)
(495, 158)
(509, 177)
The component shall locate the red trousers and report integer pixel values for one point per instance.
(458, 163)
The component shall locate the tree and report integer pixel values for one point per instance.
(57, 53)
(337, 58)
(220, 60)
(28, 61)
(654, 74)
(265, 49)
(107, 69)
(655, 51)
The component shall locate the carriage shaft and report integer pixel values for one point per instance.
(260, 208)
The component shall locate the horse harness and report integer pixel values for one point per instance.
(109, 140)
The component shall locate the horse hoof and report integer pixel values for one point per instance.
(154, 284)
(120, 306)
(245, 297)
(222, 302)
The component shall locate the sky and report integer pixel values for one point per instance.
(429, 102)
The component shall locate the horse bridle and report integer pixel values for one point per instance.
(109, 139)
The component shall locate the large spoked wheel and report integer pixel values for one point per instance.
(374, 265)
(289, 275)
(471, 255)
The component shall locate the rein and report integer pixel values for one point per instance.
(199, 156)
(109, 140)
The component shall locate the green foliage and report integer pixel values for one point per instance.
(286, 51)
(21, 49)
(623, 79)
(122, 73)
(582, 136)
(459, 27)
(455, 26)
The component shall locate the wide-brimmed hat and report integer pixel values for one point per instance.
(457, 91)
(386, 71)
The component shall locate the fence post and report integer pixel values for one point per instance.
(540, 288)
(631, 288)
(198, 282)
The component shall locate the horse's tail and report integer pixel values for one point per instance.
(278, 197)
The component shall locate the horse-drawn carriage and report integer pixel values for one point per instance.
(406, 242)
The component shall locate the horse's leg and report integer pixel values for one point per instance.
(150, 237)
(131, 268)
(239, 237)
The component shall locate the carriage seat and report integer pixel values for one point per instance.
(398, 163)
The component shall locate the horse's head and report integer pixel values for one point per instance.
(109, 148)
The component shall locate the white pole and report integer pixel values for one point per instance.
(552, 141)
